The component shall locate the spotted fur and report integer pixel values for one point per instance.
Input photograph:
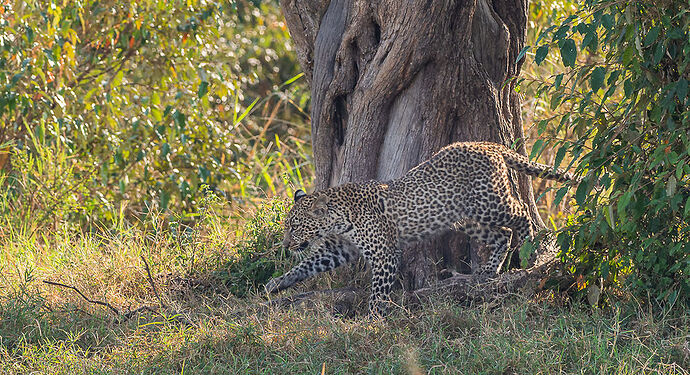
(464, 186)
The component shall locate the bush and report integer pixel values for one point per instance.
(622, 113)
(259, 256)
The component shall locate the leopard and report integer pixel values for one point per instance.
(463, 187)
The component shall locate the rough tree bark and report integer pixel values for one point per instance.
(394, 81)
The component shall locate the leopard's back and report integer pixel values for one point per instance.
(458, 182)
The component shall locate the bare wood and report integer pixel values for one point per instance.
(102, 303)
(460, 287)
(464, 288)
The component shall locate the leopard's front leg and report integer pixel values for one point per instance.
(378, 246)
(384, 270)
(326, 254)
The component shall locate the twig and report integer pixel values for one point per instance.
(120, 317)
(153, 285)
(106, 304)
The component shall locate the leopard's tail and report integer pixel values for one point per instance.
(522, 164)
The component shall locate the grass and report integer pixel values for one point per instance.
(50, 330)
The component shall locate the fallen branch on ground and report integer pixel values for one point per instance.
(106, 304)
(119, 317)
(123, 317)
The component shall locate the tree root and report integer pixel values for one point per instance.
(459, 287)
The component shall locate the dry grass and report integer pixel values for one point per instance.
(49, 330)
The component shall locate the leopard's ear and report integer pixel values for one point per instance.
(299, 194)
(320, 206)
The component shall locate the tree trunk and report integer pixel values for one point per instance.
(394, 81)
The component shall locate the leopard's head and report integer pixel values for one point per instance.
(312, 217)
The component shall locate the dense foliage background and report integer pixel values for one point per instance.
(111, 108)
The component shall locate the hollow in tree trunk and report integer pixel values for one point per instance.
(394, 81)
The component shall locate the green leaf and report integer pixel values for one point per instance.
(628, 88)
(590, 41)
(679, 171)
(246, 112)
(157, 115)
(623, 202)
(597, 78)
(561, 32)
(559, 156)
(293, 79)
(628, 55)
(559, 195)
(659, 53)
(651, 35)
(164, 200)
(613, 77)
(682, 89)
(522, 53)
(203, 89)
(609, 215)
(568, 52)
(165, 150)
(686, 211)
(179, 118)
(541, 53)
(581, 194)
(604, 269)
(155, 98)
(526, 251)
(118, 78)
(607, 21)
(29, 32)
(671, 186)
(536, 149)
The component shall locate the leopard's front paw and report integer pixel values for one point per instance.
(273, 285)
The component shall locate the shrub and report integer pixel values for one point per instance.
(622, 113)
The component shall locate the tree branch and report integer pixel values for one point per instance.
(461, 287)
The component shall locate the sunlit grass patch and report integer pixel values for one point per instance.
(206, 329)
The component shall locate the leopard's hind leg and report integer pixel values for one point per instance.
(496, 238)
(512, 220)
